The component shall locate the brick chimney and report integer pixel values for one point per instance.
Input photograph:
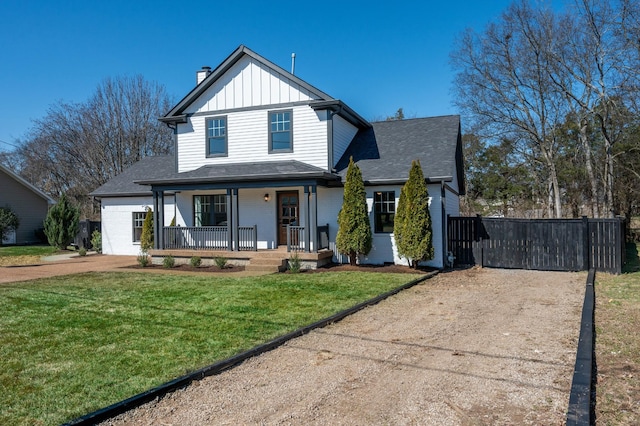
(202, 74)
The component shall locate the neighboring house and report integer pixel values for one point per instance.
(27, 202)
(260, 161)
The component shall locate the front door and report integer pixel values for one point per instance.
(288, 214)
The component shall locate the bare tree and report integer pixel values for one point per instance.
(503, 84)
(77, 147)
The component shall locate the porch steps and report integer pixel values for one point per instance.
(267, 264)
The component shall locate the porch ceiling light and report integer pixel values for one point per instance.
(266, 197)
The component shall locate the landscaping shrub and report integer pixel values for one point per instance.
(96, 241)
(82, 251)
(9, 221)
(221, 262)
(294, 263)
(146, 238)
(62, 223)
(354, 230)
(195, 261)
(168, 262)
(412, 224)
(143, 259)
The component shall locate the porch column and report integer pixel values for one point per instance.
(307, 223)
(229, 222)
(314, 218)
(235, 218)
(156, 220)
(160, 234)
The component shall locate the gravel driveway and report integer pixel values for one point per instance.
(469, 347)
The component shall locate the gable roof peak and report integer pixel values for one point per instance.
(176, 113)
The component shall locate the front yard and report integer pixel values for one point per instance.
(24, 255)
(618, 345)
(70, 345)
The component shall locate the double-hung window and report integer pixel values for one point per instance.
(210, 210)
(216, 137)
(384, 211)
(138, 223)
(280, 131)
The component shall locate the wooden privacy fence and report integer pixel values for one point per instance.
(543, 244)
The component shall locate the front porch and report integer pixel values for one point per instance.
(242, 238)
(274, 260)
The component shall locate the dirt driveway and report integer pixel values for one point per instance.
(471, 347)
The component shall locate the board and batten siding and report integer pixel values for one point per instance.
(248, 139)
(343, 134)
(117, 222)
(29, 206)
(248, 83)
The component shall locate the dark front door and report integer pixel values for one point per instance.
(288, 214)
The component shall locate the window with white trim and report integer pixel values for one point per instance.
(384, 211)
(138, 224)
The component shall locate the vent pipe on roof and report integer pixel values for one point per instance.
(293, 63)
(202, 74)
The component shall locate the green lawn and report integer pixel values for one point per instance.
(40, 250)
(71, 345)
(618, 345)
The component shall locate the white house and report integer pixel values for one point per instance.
(260, 160)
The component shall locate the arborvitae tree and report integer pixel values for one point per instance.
(62, 223)
(146, 238)
(354, 229)
(8, 222)
(412, 223)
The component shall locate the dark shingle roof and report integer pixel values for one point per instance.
(384, 152)
(147, 168)
(243, 172)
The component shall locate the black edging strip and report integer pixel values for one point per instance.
(579, 412)
(159, 391)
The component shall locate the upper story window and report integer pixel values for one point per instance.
(280, 131)
(210, 210)
(216, 137)
(384, 211)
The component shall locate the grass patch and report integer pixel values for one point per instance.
(71, 345)
(24, 255)
(618, 344)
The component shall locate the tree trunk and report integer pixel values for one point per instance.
(353, 257)
(593, 183)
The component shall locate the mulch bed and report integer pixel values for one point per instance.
(189, 268)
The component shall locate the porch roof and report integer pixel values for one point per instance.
(256, 174)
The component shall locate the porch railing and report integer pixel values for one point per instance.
(323, 237)
(295, 238)
(208, 237)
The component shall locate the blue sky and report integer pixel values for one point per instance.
(375, 56)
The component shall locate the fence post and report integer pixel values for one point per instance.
(586, 241)
(480, 239)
